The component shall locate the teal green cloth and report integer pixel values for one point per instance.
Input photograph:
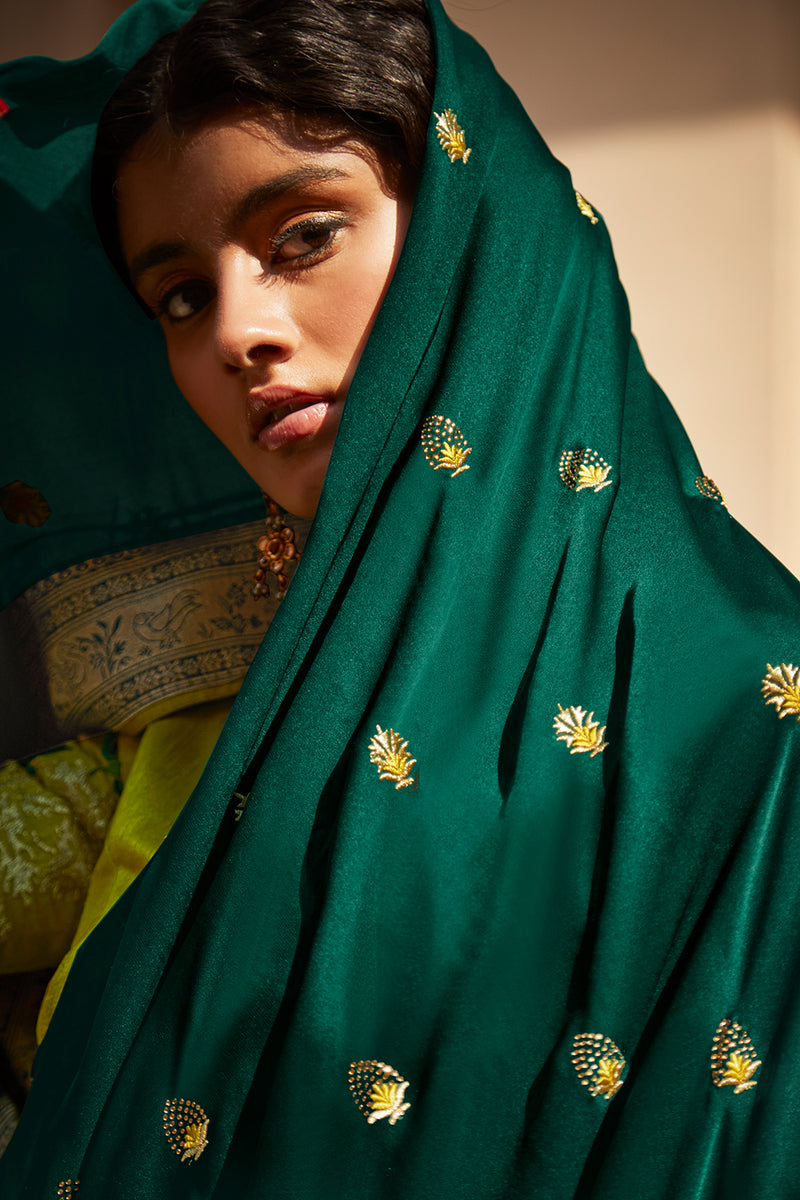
(91, 418)
(341, 942)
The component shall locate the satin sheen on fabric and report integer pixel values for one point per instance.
(463, 931)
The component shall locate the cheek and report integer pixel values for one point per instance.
(198, 386)
(356, 306)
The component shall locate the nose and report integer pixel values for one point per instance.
(253, 317)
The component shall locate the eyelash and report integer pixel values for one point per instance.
(329, 224)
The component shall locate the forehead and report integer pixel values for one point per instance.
(203, 182)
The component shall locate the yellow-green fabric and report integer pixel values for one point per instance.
(160, 768)
(262, 1003)
(54, 812)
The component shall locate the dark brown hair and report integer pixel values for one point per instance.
(359, 69)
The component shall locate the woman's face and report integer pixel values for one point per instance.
(266, 263)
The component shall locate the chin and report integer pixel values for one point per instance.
(299, 493)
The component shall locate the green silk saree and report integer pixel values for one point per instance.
(489, 888)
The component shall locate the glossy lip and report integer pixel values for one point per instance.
(309, 410)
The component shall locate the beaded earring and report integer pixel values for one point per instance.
(276, 552)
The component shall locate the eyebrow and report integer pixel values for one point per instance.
(255, 200)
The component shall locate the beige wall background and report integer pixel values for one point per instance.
(681, 122)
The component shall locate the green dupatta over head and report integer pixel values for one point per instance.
(510, 909)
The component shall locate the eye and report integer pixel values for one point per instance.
(184, 300)
(308, 241)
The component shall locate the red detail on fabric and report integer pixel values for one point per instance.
(3, 107)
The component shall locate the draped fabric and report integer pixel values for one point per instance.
(105, 454)
(489, 888)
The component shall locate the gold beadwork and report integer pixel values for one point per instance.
(579, 731)
(390, 754)
(706, 487)
(68, 1188)
(378, 1091)
(781, 687)
(277, 552)
(444, 445)
(733, 1058)
(586, 207)
(186, 1128)
(584, 468)
(599, 1064)
(451, 136)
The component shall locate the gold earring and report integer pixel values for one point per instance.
(276, 552)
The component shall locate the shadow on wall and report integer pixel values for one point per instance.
(574, 65)
(588, 63)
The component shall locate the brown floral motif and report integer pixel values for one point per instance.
(112, 636)
(22, 504)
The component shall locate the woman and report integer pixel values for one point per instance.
(488, 887)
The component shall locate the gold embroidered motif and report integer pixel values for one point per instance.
(444, 445)
(599, 1064)
(390, 754)
(378, 1091)
(186, 1128)
(733, 1058)
(241, 803)
(22, 504)
(451, 136)
(579, 731)
(67, 1188)
(586, 207)
(584, 468)
(706, 487)
(781, 687)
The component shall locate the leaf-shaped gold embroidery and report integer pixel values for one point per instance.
(186, 1128)
(733, 1057)
(444, 445)
(739, 1071)
(586, 207)
(390, 754)
(598, 1063)
(781, 687)
(384, 1095)
(584, 468)
(451, 136)
(378, 1091)
(575, 727)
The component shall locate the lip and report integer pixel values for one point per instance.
(305, 416)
